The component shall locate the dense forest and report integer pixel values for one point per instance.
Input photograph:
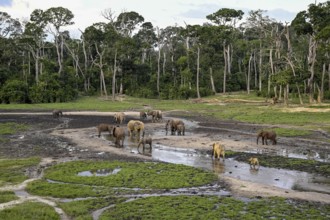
(41, 63)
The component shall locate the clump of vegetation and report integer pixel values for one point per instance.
(211, 207)
(12, 170)
(29, 210)
(132, 175)
(7, 196)
(12, 128)
(82, 209)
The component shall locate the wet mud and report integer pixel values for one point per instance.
(237, 136)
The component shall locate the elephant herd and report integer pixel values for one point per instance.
(175, 126)
(136, 128)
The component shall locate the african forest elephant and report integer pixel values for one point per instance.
(119, 134)
(57, 113)
(172, 124)
(180, 129)
(271, 135)
(156, 115)
(143, 115)
(143, 142)
(218, 150)
(119, 117)
(136, 127)
(104, 127)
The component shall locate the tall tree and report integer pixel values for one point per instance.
(226, 18)
(59, 17)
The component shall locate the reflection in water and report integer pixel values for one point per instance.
(99, 172)
(282, 178)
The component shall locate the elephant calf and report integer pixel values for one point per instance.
(180, 129)
(57, 113)
(173, 124)
(218, 151)
(253, 162)
(104, 127)
(145, 141)
(143, 115)
(119, 117)
(271, 135)
(156, 115)
(119, 134)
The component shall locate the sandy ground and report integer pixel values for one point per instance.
(86, 138)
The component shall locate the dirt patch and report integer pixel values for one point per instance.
(75, 136)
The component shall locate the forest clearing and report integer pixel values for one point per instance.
(297, 166)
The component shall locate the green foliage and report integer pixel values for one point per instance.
(12, 128)
(7, 196)
(14, 91)
(131, 175)
(83, 209)
(29, 210)
(61, 190)
(291, 132)
(12, 170)
(211, 207)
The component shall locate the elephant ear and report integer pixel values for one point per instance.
(114, 130)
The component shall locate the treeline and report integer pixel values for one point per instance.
(128, 55)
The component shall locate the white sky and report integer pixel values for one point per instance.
(161, 13)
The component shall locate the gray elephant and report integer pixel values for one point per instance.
(57, 113)
(156, 115)
(143, 142)
(119, 117)
(172, 124)
(104, 127)
(271, 135)
(119, 135)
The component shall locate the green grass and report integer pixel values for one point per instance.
(82, 209)
(9, 128)
(211, 207)
(12, 170)
(7, 196)
(253, 109)
(29, 210)
(132, 175)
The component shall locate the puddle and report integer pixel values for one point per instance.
(282, 178)
(100, 172)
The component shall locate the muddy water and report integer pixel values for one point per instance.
(286, 179)
(282, 178)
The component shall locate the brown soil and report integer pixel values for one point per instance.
(74, 136)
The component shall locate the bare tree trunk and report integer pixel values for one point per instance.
(114, 77)
(164, 62)
(311, 66)
(225, 69)
(212, 81)
(249, 75)
(100, 65)
(271, 69)
(322, 82)
(260, 67)
(255, 70)
(197, 73)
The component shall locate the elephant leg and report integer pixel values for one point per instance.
(266, 141)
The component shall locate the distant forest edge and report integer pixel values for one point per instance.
(41, 63)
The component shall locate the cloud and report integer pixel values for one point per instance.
(200, 11)
(281, 15)
(6, 3)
